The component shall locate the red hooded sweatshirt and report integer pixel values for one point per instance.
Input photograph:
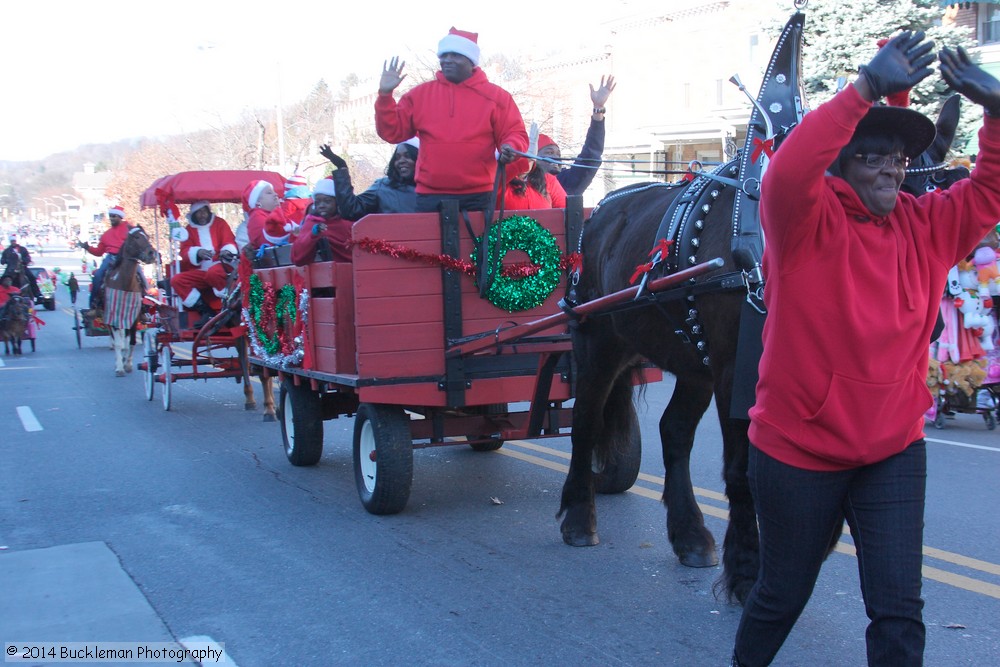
(852, 298)
(460, 127)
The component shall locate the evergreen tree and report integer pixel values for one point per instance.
(841, 35)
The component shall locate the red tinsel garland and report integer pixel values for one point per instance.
(518, 270)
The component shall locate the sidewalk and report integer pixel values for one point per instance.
(73, 593)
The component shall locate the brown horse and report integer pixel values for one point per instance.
(123, 292)
(13, 323)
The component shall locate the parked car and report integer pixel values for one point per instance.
(45, 286)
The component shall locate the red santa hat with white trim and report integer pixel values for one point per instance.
(252, 193)
(462, 42)
(116, 210)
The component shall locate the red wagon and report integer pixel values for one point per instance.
(402, 340)
(173, 349)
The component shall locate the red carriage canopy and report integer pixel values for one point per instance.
(187, 187)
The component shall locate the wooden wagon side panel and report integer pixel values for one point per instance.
(331, 317)
(329, 333)
(398, 300)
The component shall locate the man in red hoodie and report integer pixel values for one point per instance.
(461, 120)
(108, 245)
(837, 428)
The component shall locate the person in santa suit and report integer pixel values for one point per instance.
(324, 231)
(266, 223)
(108, 245)
(532, 187)
(208, 248)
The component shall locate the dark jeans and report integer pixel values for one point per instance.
(474, 202)
(799, 511)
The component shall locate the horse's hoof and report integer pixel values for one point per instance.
(581, 539)
(699, 559)
(270, 418)
(249, 406)
(128, 369)
(119, 374)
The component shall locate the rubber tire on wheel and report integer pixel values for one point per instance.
(619, 475)
(76, 327)
(50, 304)
(383, 457)
(301, 416)
(166, 363)
(149, 354)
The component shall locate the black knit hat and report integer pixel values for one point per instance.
(916, 130)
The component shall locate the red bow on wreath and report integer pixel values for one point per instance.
(765, 146)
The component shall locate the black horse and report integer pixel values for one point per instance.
(693, 337)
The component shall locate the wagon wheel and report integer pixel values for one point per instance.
(492, 444)
(149, 354)
(76, 327)
(383, 457)
(301, 416)
(619, 474)
(166, 361)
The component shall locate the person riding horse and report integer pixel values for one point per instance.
(109, 245)
(16, 258)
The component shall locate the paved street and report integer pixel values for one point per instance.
(120, 522)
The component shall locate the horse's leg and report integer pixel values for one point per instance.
(267, 388)
(118, 345)
(691, 541)
(249, 402)
(129, 349)
(598, 370)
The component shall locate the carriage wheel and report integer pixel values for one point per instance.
(166, 360)
(301, 417)
(76, 327)
(383, 457)
(619, 475)
(149, 354)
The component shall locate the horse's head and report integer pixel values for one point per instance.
(928, 172)
(138, 247)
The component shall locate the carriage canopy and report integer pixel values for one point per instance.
(187, 187)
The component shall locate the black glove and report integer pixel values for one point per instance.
(967, 78)
(82, 244)
(328, 153)
(900, 64)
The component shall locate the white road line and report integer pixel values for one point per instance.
(963, 444)
(28, 419)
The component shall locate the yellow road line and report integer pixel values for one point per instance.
(932, 573)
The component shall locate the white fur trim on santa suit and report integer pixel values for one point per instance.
(460, 42)
(191, 299)
(116, 210)
(325, 186)
(212, 237)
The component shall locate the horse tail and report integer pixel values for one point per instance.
(619, 416)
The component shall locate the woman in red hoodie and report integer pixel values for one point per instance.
(837, 428)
